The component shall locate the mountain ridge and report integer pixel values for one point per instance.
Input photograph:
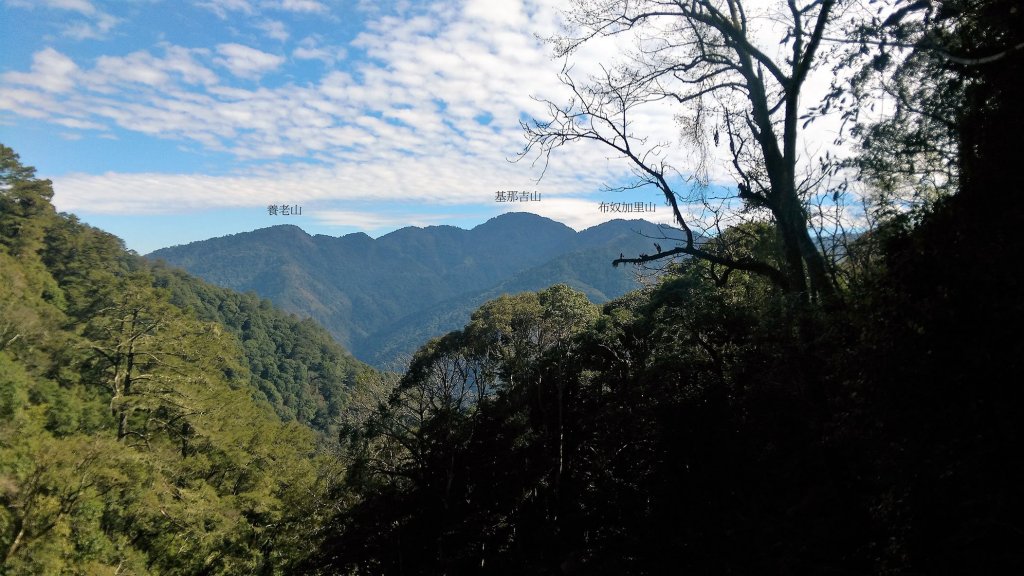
(357, 286)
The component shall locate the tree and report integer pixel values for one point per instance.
(961, 64)
(706, 57)
(952, 70)
(24, 203)
(438, 495)
(161, 367)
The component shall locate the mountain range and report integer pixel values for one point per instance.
(383, 298)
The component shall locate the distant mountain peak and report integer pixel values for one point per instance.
(523, 222)
(386, 296)
(281, 229)
(517, 217)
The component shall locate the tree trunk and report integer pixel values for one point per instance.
(17, 542)
(806, 268)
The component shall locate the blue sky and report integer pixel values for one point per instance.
(168, 121)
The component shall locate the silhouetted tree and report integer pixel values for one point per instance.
(707, 57)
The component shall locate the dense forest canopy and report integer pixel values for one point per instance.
(722, 421)
(151, 423)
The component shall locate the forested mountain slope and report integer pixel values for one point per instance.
(136, 436)
(382, 298)
(294, 362)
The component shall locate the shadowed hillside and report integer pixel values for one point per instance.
(383, 298)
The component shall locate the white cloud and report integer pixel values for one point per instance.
(138, 67)
(80, 6)
(97, 29)
(446, 178)
(113, 74)
(377, 220)
(274, 29)
(51, 71)
(79, 124)
(504, 12)
(223, 8)
(246, 62)
(184, 62)
(309, 6)
(95, 25)
(311, 48)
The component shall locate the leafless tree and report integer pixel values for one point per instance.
(705, 57)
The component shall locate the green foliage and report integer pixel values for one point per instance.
(294, 363)
(25, 207)
(133, 437)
